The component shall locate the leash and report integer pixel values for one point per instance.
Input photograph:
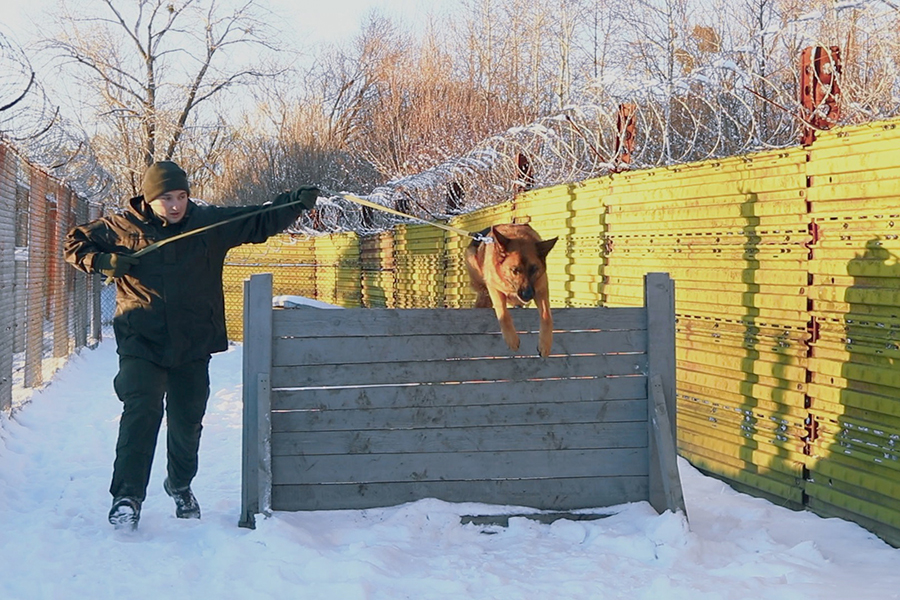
(357, 200)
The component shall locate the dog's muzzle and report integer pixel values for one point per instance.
(526, 294)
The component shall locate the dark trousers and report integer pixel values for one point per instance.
(141, 386)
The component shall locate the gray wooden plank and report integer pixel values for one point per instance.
(510, 368)
(543, 517)
(400, 348)
(458, 466)
(461, 416)
(543, 494)
(485, 393)
(463, 439)
(388, 322)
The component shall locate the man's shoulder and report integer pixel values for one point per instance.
(202, 213)
(216, 212)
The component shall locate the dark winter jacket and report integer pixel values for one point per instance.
(170, 308)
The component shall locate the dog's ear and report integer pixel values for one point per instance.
(501, 240)
(545, 247)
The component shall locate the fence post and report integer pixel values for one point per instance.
(7, 274)
(257, 361)
(659, 300)
(625, 132)
(820, 90)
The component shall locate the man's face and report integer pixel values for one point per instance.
(171, 206)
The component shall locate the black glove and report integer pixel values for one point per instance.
(306, 195)
(114, 265)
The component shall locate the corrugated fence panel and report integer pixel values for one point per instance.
(419, 259)
(377, 264)
(585, 251)
(290, 259)
(733, 235)
(854, 462)
(549, 212)
(338, 267)
(326, 270)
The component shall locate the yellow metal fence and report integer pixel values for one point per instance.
(787, 301)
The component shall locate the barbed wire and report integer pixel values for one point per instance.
(582, 141)
(32, 122)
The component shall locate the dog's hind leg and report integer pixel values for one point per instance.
(482, 298)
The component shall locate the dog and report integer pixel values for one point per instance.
(512, 271)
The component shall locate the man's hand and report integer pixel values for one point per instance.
(114, 265)
(306, 195)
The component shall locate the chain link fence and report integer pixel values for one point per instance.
(49, 309)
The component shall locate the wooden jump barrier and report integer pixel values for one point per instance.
(360, 408)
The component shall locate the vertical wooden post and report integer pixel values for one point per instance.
(264, 437)
(659, 299)
(257, 361)
(667, 450)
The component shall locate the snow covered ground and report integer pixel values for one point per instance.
(55, 460)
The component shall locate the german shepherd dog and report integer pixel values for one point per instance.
(512, 271)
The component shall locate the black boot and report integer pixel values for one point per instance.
(125, 513)
(186, 506)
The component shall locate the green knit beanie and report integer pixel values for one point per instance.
(161, 177)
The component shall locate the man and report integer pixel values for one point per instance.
(170, 317)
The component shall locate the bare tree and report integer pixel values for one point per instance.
(399, 101)
(152, 70)
(868, 38)
(289, 139)
(504, 49)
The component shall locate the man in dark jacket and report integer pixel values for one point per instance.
(170, 317)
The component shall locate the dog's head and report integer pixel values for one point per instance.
(521, 263)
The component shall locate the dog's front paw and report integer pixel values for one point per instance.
(545, 340)
(512, 340)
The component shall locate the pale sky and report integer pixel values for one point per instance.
(332, 20)
(304, 25)
(313, 21)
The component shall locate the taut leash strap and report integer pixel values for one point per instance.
(357, 200)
